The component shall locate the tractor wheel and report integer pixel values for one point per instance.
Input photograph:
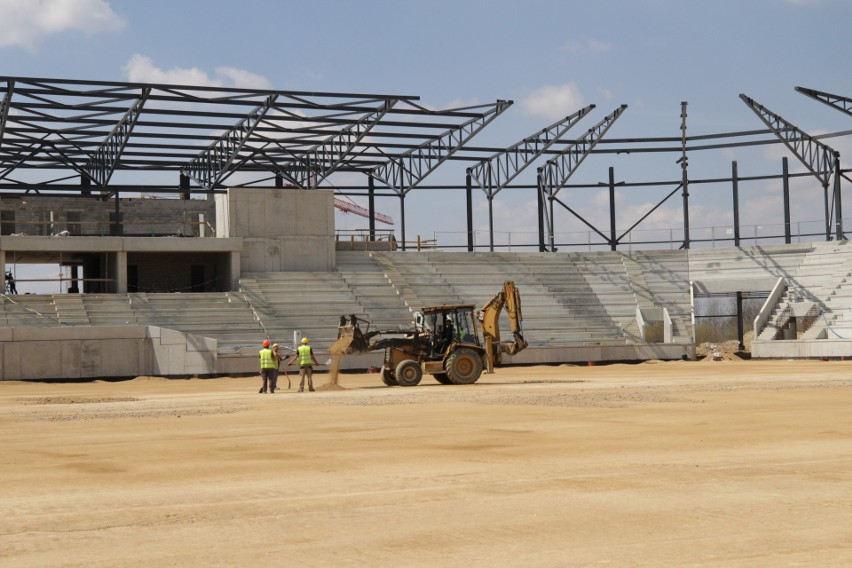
(408, 373)
(388, 378)
(442, 378)
(464, 366)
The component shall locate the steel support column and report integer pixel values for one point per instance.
(740, 334)
(838, 206)
(612, 238)
(402, 219)
(736, 194)
(540, 203)
(184, 186)
(491, 223)
(684, 165)
(469, 196)
(785, 176)
(371, 205)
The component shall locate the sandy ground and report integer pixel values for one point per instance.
(659, 464)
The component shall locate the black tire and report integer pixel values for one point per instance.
(464, 366)
(442, 378)
(408, 373)
(388, 378)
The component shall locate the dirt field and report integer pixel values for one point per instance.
(717, 463)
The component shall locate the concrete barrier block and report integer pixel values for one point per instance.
(171, 337)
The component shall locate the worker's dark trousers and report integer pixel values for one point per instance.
(268, 380)
(306, 371)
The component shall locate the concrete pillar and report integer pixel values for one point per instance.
(234, 266)
(121, 272)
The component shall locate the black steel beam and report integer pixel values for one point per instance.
(555, 173)
(839, 102)
(405, 171)
(211, 165)
(101, 165)
(817, 157)
(497, 171)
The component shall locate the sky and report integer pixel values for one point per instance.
(550, 57)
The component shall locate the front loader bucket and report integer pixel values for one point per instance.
(349, 340)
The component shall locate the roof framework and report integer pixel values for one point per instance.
(59, 135)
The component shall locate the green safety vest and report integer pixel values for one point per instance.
(266, 360)
(305, 355)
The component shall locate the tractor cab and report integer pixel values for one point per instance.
(447, 325)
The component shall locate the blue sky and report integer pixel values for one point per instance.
(550, 57)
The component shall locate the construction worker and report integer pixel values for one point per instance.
(10, 283)
(267, 368)
(305, 356)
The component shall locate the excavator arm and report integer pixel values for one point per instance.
(489, 316)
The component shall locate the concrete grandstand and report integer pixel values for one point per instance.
(189, 287)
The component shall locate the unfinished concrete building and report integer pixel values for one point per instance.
(189, 223)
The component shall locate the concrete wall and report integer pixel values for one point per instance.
(48, 215)
(794, 349)
(103, 352)
(282, 229)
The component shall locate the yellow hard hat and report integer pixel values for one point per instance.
(304, 340)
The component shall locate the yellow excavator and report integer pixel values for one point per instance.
(444, 341)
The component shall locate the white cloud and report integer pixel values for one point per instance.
(606, 94)
(241, 78)
(141, 69)
(553, 102)
(587, 46)
(462, 103)
(26, 24)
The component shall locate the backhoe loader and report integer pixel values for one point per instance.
(444, 341)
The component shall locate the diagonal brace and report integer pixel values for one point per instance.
(817, 157)
(841, 103)
(405, 171)
(5, 105)
(211, 165)
(310, 168)
(496, 172)
(100, 167)
(556, 171)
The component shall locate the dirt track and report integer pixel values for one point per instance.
(659, 464)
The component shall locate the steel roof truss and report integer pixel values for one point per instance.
(4, 107)
(211, 165)
(405, 171)
(323, 159)
(556, 171)
(101, 165)
(496, 172)
(839, 102)
(819, 158)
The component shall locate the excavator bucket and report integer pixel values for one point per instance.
(350, 338)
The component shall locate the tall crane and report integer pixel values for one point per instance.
(349, 207)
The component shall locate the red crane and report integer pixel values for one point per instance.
(349, 207)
